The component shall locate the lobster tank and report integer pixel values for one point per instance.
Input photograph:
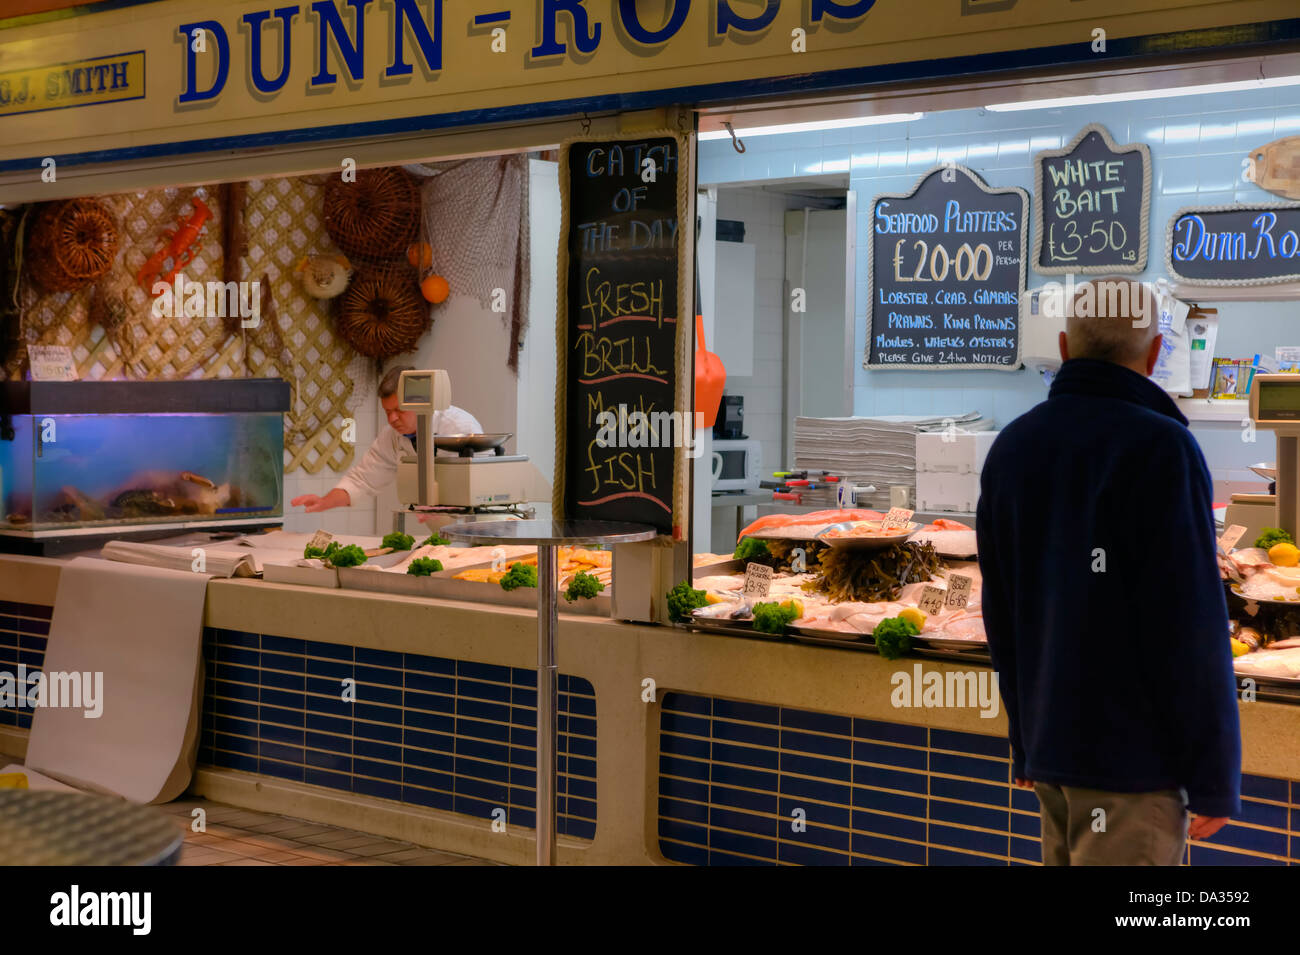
(82, 461)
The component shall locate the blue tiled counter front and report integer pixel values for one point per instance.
(737, 740)
(429, 731)
(750, 784)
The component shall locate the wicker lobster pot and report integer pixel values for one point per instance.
(70, 244)
(382, 312)
(374, 218)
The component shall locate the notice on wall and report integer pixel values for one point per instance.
(947, 269)
(1093, 205)
(1234, 245)
(623, 427)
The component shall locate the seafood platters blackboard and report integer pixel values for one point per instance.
(624, 331)
(1093, 203)
(947, 266)
(1257, 244)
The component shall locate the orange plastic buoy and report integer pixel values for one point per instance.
(420, 255)
(435, 289)
(710, 378)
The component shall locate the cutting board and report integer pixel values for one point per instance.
(1276, 167)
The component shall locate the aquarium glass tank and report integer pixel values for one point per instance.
(61, 471)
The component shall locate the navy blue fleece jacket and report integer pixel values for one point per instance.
(1105, 614)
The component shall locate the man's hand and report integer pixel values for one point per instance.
(335, 498)
(1023, 783)
(1203, 827)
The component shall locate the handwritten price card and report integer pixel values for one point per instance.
(1094, 199)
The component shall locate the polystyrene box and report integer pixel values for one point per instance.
(947, 491)
(960, 453)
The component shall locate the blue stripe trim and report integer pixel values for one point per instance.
(485, 18)
(1119, 50)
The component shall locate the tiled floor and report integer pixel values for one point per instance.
(236, 836)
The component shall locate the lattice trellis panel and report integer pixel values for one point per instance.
(143, 346)
(283, 219)
(283, 224)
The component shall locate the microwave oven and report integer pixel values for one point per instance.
(737, 463)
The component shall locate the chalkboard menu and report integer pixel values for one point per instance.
(947, 269)
(1094, 200)
(1235, 245)
(623, 382)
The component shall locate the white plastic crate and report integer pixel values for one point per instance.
(946, 491)
(959, 453)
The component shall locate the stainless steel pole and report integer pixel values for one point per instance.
(547, 703)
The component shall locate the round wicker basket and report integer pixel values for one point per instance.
(70, 244)
(375, 218)
(382, 312)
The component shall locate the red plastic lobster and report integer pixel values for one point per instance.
(179, 247)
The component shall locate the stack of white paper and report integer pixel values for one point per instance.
(879, 451)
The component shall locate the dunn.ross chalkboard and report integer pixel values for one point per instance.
(624, 328)
(1234, 245)
(1093, 205)
(947, 266)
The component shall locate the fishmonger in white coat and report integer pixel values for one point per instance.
(378, 468)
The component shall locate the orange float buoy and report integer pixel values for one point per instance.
(420, 255)
(435, 289)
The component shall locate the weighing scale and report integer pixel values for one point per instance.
(1274, 406)
(468, 478)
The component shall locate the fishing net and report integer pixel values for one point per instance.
(475, 219)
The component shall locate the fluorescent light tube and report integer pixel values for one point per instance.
(815, 126)
(1092, 98)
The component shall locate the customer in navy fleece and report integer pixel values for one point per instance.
(1103, 604)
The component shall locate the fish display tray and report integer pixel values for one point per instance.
(731, 628)
(721, 567)
(303, 576)
(864, 543)
(444, 586)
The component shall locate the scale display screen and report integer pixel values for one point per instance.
(417, 390)
(1278, 400)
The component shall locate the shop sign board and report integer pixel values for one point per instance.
(220, 74)
(1093, 202)
(947, 266)
(623, 428)
(1245, 244)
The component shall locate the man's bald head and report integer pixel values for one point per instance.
(1112, 319)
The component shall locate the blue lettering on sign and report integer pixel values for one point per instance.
(353, 52)
(1195, 240)
(839, 11)
(586, 37)
(632, 23)
(191, 93)
(728, 18)
(254, 21)
(404, 12)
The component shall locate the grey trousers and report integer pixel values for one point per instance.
(1097, 827)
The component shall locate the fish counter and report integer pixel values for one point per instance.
(676, 746)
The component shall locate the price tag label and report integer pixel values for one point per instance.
(1230, 537)
(758, 580)
(897, 517)
(931, 602)
(959, 589)
(51, 363)
(320, 540)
